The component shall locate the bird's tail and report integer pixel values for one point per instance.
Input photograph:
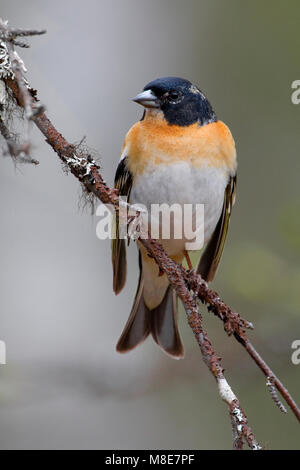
(161, 322)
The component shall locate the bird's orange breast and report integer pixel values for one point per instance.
(153, 142)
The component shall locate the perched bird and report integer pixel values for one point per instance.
(179, 152)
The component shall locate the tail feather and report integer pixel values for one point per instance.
(138, 325)
(161, 322)
(164, 327)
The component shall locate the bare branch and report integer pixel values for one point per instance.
(235, 325)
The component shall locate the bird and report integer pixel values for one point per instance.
(177, 153)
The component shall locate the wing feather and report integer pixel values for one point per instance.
(123, 182)
(210, 259)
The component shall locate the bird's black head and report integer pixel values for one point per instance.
(181, 102)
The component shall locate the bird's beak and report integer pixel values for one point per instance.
(147, 98)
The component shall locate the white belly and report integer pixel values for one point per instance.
(180, 183)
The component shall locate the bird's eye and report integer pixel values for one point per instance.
(173, 96)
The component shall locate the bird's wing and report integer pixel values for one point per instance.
(210, 259)
(123, 182)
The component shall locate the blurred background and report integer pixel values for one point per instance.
(64, 386)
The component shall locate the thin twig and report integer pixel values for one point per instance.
(274, 394)
(15, 32)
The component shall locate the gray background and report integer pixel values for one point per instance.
(64, 385)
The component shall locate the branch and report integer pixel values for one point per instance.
(189, 286)
(12, 67)
(234, 324)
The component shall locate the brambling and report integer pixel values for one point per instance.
(178, 153)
